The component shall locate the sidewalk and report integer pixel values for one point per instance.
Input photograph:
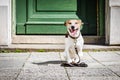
(46, 66)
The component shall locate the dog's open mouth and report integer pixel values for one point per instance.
(73, 31)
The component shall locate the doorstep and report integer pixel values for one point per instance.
(59, 46)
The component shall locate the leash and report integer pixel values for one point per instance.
(76, 50)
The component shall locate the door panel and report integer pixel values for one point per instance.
(20, 16)
(56, 5)
(45, 29)
(42, 12)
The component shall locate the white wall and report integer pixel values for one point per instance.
(114, 33)
(5, 22)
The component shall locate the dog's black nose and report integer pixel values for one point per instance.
(72, 27)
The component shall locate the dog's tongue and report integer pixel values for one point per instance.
(73, 32)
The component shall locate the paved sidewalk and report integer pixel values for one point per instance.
(46, 66)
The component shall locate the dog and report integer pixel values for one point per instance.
(74, 43)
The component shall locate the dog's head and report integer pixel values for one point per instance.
(73, 27)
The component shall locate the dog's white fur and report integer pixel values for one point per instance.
(70, 53)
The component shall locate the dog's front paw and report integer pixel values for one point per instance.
(67, 65)
(82, 64)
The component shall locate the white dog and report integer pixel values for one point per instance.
(74, 43)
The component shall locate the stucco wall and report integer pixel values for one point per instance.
(5, 22)
(114, 32)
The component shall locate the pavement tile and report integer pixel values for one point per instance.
(12, 60)
(30, 65)
(8, 74)
(44, 56)
(118, 52)
(95, 65)
(89, 72)
(115, 69)
(95, 78)
(43, 73)
(7, 78)
(43, 66)
(105, 56)
(14, 54)
(110, 60)
(11, 63)
(92, 63)
(49, 58)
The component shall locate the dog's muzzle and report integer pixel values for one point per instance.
(73, 30)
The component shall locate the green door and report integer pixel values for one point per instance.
(48, 16)
(87, 11)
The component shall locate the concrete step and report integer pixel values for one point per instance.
(59, 47)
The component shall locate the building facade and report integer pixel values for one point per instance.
(42, 21)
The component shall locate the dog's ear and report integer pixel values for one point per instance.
(80, 21)
(65, 23)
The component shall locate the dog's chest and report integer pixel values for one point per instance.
(75, 42)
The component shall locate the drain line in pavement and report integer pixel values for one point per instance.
(65, 68)
(22, 66)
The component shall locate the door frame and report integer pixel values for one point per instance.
(52, 39)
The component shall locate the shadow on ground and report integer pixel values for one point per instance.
(48, 62)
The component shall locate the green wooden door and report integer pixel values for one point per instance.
(48, 16)
(87, 11)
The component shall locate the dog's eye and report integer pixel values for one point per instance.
(69, 23)
(76, 23)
